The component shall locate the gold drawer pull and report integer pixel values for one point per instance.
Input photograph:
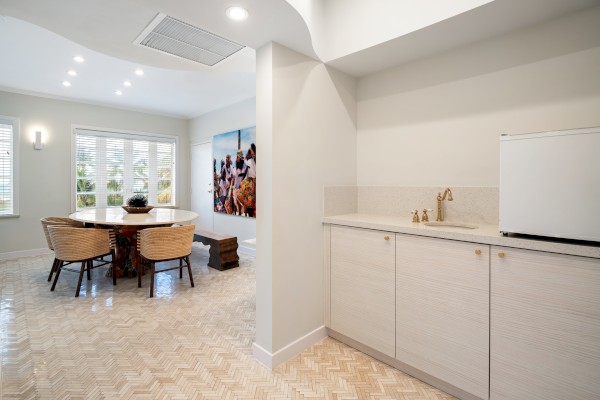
(477, 251)
(386, 237)
(501, 254)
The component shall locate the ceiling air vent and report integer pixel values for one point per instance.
(171, 36)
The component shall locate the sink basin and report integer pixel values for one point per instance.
(451, 225)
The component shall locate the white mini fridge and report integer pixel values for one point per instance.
(550, 184)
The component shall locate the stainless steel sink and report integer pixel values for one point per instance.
(451, 225)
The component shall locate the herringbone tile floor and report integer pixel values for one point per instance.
(116, 343)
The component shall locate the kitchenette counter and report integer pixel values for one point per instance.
(485, 234)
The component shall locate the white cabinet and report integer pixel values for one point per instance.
(520, 325)
(442, 310)
(362, 286)
(545, 326)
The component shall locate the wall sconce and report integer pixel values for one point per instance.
(37, 143)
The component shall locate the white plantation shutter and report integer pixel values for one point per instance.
(8, 139)
(165, 157)
(112, 166)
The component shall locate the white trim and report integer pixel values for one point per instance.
(327, 273)
(73, 167)
(16, 156)
(101, 130)
(262, 356)
(272, 360)
(11, 255)
(535, 135)
(16, 150)
(178, 159)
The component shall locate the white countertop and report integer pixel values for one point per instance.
(486, 234)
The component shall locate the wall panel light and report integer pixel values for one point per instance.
(37, 143)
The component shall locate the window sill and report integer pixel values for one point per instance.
(9, 216)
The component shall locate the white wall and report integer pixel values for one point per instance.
(342, 27)
(226, 119)
(307, 113)
(44, 176)
(437, 122)
(264, 198)
(203, 128)
(349, 24)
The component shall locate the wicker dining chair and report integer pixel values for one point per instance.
(81, 245)
(60, 221)
(165, 244)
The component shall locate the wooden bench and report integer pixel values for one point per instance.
(223, 249)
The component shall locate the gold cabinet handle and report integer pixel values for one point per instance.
(477, 251)
(386, 237)
(501, 254)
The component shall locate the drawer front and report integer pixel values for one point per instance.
(545, 326)
(362, 286)
(442, 310)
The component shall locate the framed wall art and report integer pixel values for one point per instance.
(234, 172)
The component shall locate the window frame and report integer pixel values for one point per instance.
(127, 134)
(16, 124)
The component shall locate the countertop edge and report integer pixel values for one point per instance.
(485, 234)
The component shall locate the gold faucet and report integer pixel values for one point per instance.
(440, 198)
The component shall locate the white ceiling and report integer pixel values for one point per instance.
(38, 61)
(41, 49)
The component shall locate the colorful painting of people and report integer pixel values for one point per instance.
(235, 180)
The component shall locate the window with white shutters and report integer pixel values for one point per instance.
(9, 130)
(112, 166)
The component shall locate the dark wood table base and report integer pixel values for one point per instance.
(127, 256)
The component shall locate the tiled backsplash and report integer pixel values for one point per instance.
(470, 204)
(339, 200)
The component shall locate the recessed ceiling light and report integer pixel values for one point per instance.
(118, 92)
(237, 13)
(72, 72)
(139, 72)
(78, 59)
(127, 83)
(66, 83)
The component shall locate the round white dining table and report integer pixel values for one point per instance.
(127, 225)
(118, 216)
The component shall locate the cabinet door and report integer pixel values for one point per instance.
(545, 326)
(442, 310)
(362, 286)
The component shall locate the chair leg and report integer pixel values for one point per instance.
(58, 268)
(139, 271)
(152, 279)
(80, 278)
(53, 269)
(89, 265)
(114, 272)
(187, 260)
(180, 268)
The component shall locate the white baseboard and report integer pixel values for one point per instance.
(262, 356)
(11, 255)
(247, 250)
(272, 360)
